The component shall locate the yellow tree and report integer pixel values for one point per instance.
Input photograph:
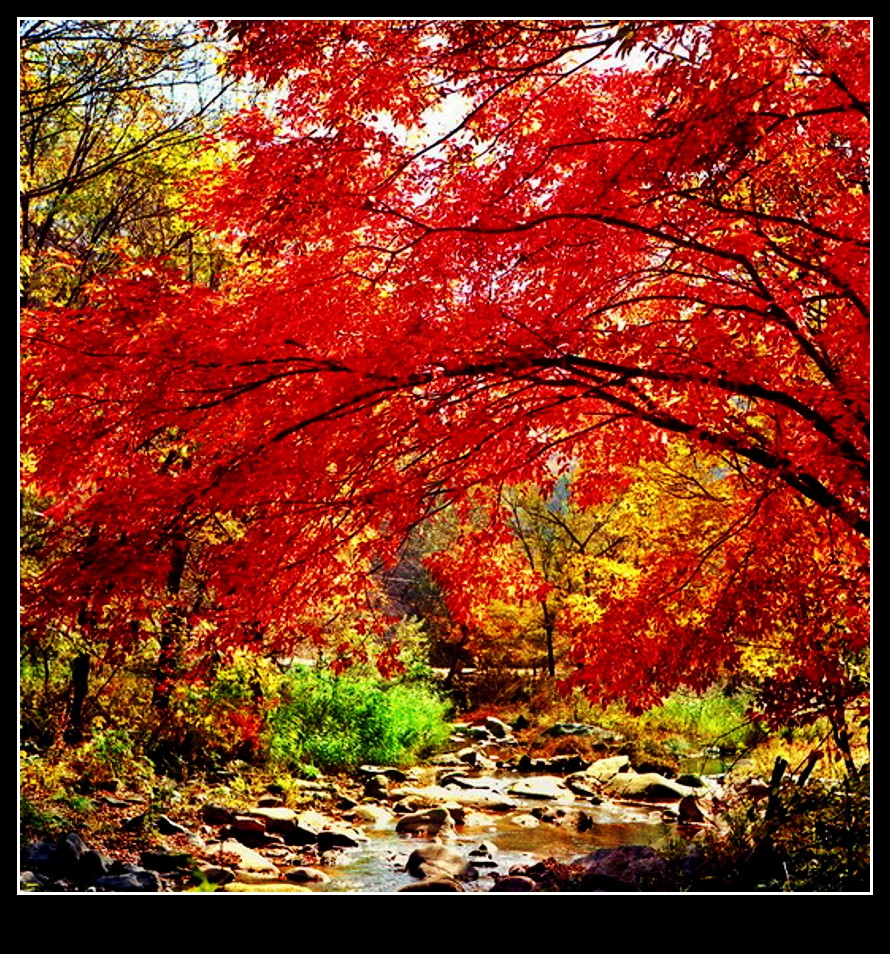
(111, 115)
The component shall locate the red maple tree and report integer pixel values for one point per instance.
(466, 249)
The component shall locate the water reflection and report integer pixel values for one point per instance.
(379, 865)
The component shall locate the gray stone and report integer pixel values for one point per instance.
(515, 883)
(277, 819)
(31, 881)
(302, 835)
(113, 802)
(692, 781)
(560, 729)
(306, 875)
(554, 763)
(164, 860)
(270, 801)
(449, 759)
(430, 822)
(92, 865)
(578, 785)
(541, 786)
(42, 855)
(435, 860)
(214, 814)
(604, 769)
(499, 729)
(377, 786)
(374, 815)
(71, 849)
(647, 787)
(463, 781)
(129, 881)
(626, 868)
(234, 854)
(168, 827)
(482, 856)
(689, 812)
(479, 732)
(434, 885)
(436, 795)
(214, 874)
(339, 838)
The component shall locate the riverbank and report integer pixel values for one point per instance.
(488, 815)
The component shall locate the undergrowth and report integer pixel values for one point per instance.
(336, 722)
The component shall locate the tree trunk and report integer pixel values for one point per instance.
(549, 626)
(166, 670)
(842, 740)
(80, 682)
(456, 661)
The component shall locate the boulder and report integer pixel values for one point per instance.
(62, 859)
(270, 887)
(339, 837)
(306, 875)
(514, 883)
(646, 787)
(164, 861)
(691, 781)
(541, 786)
(433, 795)
(167, 826)
(276, 819)
(604, 736)
(579, 785)
(500, 730)
(429, 823)
(437, 861)
(93, 864)
(465, 782)
(479, 732)
(434, 885)
(374, 815)
(626, 868)
(233, 854)
(689, 812)
(213, 874)
(377, 786)
(30, 881)
(213, 814)
(270, 801)
(602, 770)
(482, 856)
(136, 880)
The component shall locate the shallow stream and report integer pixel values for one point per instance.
(378, 866)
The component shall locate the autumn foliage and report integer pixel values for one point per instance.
(476, 254)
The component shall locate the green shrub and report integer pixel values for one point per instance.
(38, 821)
(710, 718)
(336, 722)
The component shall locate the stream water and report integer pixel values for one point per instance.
(378, 866)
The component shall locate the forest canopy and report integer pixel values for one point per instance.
(592, 294)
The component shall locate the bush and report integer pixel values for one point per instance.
(337, 722)
(710, 718)
(817, 838)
